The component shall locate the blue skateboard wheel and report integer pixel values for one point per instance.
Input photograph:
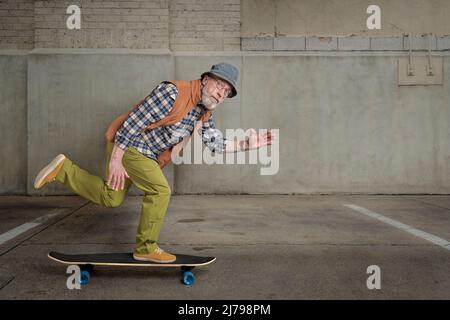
(84, 277)
(187, 278)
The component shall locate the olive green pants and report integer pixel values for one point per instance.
(144, 173)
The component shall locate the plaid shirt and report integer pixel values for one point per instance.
(155, 107)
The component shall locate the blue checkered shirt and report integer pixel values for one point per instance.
(155, 107)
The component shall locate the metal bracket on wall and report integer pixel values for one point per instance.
(410, 65)
(429, 65)
(420, 70)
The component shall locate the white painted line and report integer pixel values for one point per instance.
(418, 233)
(11, 234)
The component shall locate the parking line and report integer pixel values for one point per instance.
(11, 234)
(418, 233)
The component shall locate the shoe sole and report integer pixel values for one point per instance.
(153, 260)
(39, 181)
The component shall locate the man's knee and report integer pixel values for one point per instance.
(162, 191)
(114, 201)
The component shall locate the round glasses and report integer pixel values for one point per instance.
(222, 85)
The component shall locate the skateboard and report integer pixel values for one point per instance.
(86, 262)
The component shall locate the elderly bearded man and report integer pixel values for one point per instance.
(140, 143)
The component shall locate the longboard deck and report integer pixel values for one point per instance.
(126, 259)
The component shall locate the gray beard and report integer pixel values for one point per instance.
(208, 103)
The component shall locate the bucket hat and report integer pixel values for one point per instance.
(227, 72)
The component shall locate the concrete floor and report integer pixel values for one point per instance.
(267, 247)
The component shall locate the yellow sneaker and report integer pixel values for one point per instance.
(158, 255)
(48, 174)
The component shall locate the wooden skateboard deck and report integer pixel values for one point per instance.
(86, 262)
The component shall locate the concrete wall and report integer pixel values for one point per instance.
(13, 123)
(345, 126)
(181, 25)
(138, 24)
(16, 24)
(309, 68)
(344, 17)
(207, 25)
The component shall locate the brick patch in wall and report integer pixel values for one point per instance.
(321, 43)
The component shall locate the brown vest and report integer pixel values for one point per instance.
(189, 94)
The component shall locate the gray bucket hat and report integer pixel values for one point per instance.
(227, 72)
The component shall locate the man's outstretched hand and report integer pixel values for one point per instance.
(256, 140)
